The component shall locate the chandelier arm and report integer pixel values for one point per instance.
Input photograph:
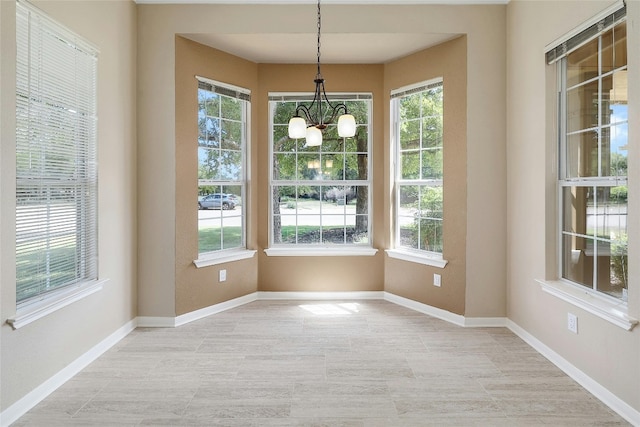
(307, 109)
(335, 111)
(334, 108)
(304, 111)
(319, 94)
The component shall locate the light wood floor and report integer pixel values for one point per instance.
(351, 363)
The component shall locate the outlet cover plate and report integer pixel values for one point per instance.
(572, 322)
(437, 280)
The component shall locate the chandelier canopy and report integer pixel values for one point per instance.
(310, 120)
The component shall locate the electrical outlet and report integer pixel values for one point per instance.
(222, 275)
(572, 323)
(437, 280)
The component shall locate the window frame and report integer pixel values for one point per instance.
(416, 255)
(67, 125)
(599, 181)
(321, 249)
(600, 305)
(223, 255)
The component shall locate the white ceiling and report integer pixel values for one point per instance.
(300, 48)
(392, 2)
(335, 48)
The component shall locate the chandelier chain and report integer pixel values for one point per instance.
(319, 26)
(321, 112)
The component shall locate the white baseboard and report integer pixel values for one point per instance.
(22, 406)
(168, 322)
(485, 322)
(456, 319)
(612, 401)
(325, 296)
(438, 313)
(156, 322)
(216, 308)
(183, 319)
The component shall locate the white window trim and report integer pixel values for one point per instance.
(206, 259)
(42, 304)
(321, 251)
(215, 258)
(433, 259)
(613, 311)
(32, 310)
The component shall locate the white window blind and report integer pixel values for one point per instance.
(56, 170)
(582, 35)
(593, 152)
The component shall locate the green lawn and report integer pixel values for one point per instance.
(209, 238)
(35, 270)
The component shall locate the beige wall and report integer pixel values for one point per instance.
(156, 164)
(199, 287)
(36, 352)
(606, 353)
(321, 273)
(484, 27)
(411, 280)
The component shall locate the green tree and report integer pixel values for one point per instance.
(421, 162)
(619, 261)
(219, 137)
(618, 164)
(430, 218)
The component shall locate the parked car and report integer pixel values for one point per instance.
(216, 201)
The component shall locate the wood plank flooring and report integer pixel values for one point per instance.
(349, 363)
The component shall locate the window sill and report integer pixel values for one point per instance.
(611, 311)
(50, 303)
(426, 258)
(223, 257)
(322, 251)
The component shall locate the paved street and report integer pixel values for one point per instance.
(307, 214)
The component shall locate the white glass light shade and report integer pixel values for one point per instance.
(314, 136)
(346, 126)
(297, 127)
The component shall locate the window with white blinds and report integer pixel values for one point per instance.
(593, 145)
(56, 169)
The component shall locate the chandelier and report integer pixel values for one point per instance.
(310, 120)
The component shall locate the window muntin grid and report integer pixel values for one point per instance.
(592, 181)
(320, 195)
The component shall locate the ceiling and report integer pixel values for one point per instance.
(301, 48)
(352, 48)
